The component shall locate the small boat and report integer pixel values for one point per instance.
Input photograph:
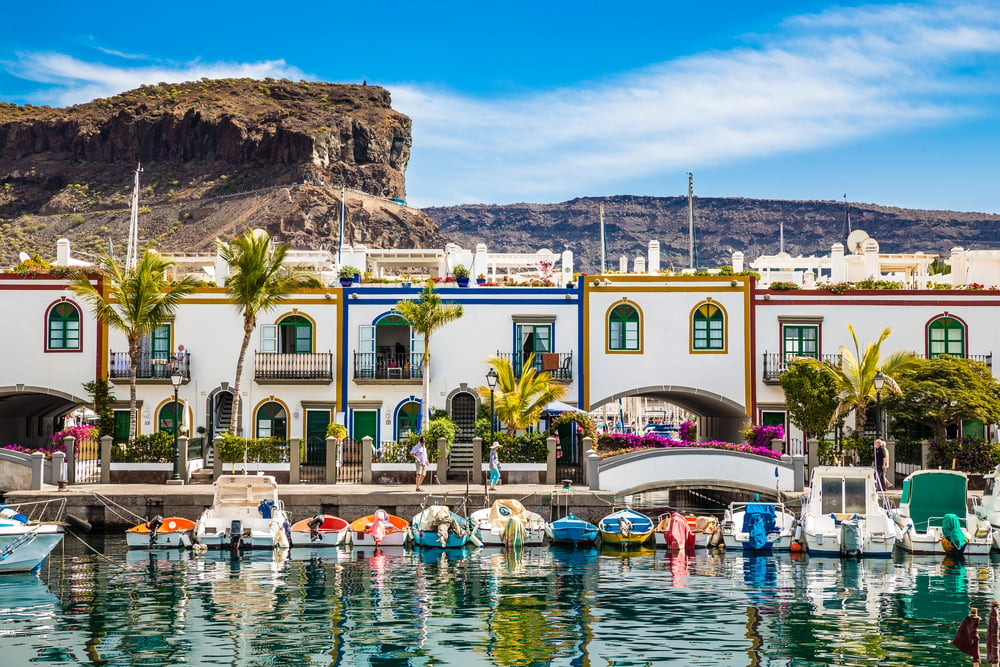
(322, 530)
(988, 508)
(674, 532)
(507, 523)
(438, 527)
(246, 513)
(25, 543)
(380, 529)
(160, 533)
(758, 526)
(625, 528)
(844, 514)
(571, 529)
(933, 516)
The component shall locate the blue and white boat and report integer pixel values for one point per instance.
(625, 528)
(571, 529)
(758, 526)
(438, 527)
(26, 542)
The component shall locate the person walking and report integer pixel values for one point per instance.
(993, 635)
(419, 454)
(967, 637)
(494, 465)
(881, 463)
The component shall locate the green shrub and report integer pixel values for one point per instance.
(152, 448)
(261, 450)
(971, 456)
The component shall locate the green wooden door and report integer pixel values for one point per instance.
(365, 424)
(316, 423)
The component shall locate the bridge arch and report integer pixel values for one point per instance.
(30, 414)
(721, 417)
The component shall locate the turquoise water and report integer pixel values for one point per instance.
(547, 606)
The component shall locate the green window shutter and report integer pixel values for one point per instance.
(64, 327)
(161, 342)
(623, 328)
(800, 341)
(946, 335)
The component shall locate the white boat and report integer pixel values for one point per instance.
(844, 515)
(934, 518)
(758, 526)
(26, 541)
(507, 523)
(989, 507)
(246, 513)
(160, 533)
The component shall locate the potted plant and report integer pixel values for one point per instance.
(346, 275)
(461, 275)
(336, 431)
(481, 279)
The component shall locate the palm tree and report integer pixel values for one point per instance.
(426, 315)
(136, 301)
(257, 282)
(521, 399)
(855, 375)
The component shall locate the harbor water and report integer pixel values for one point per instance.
(99, 604)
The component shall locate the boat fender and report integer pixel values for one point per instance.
(474, 539)
(9, 513)
(80, 524)
(288, 531)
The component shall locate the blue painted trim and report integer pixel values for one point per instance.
(385, 313)
(395, 414)
(473, 302)
(579, 345)
(347, 367)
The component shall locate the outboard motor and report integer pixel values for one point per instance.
(235, 534)
(850, 537)
(314, 526)
(266, 508)
(154, 528)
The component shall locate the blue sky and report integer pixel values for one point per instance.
(888, 103)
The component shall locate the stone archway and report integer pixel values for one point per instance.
(29, 414)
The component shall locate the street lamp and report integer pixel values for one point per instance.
(879, 382)
(491, 380)
(176, 378)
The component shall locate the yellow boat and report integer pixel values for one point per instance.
(625, 528)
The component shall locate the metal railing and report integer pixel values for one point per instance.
(388, 365)
(776, 363)
(150, 366)
(557, 364)
(290, 366)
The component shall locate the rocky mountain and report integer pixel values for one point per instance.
(722, 226)
(217, 156)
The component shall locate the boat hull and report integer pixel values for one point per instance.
(572, 530)
(736, 537)
(829, 544)
(173, 533)
(489, 524)
(639, 532)
(397, 532)
(332, 532)
(24, 547)
(929, 543)
(425, 533)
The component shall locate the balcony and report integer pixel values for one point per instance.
(291, 368)
(152, 369)
(775, 363)
(391, 367)
(557, 364)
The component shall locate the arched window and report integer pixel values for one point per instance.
(708, 328)
(946, 335)
(64, 327)
(170, 417)
(271, 421)
(623, 328)
(293, 334)
(407, 419)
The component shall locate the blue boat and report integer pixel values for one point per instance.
(625, 528)
(437, 527)
(571, 529)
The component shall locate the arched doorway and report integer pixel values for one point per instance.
(220, 412)
(463, 413)
(271, 421)
(407, 419)
(170, 417)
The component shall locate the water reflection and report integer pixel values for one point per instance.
(543, 605)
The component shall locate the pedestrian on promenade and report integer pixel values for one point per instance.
(993, 635)
(494, 465)
(419, 454)
(967, 637)
(881, 463)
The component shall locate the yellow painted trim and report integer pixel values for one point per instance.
(312, 324)
(725, 328)
(627, 289)
(338, 341)
(607, 327)
(585, 297)
(269, 399)
(229, 302)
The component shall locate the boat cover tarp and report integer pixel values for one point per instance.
(758, 521)
(933, 493)
(951, 530)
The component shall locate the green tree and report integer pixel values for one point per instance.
(103, 400)
(519, 401)
(811, 398)
(943, 391)
(135, 301)
(855, 375)
(257, 282)
(427, 314)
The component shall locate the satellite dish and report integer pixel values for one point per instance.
(855, 239)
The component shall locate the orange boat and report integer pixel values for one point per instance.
(160, 533)
(322, 530)
(380, 529)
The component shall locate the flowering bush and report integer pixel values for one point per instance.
(619, 443)
(78, 432)
(758, 435)
(974, 456)
(689, 431)
(836, 288)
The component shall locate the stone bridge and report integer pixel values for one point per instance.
(693, 467)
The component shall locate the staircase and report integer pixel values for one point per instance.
(460, 461)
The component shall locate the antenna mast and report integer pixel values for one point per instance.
(132, 252)
(847, 218)
(690, 220)
(604, 248)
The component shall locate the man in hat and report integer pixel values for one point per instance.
(419, 454)
(494, 465)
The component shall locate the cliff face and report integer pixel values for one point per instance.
(202, 141)
(722, 226)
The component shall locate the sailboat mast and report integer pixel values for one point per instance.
(690, 220)
(132, 251)
(604, 248)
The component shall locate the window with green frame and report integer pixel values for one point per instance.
(623, 328)
(272, 422)
(946, 335)
(708, 328)
(170, 417)
(800, 341)
(64, 327)
(295, 335)
(407, 419)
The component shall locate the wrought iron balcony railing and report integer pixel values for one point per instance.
(291, 366)
(557, 364)
(388, 365)
(150, 366)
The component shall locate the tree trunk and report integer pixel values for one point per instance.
(133, 369)
(426, 412)
(237, 416)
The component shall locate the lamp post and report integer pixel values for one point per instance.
(879, 382)
(491, 380)
(176, 378)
